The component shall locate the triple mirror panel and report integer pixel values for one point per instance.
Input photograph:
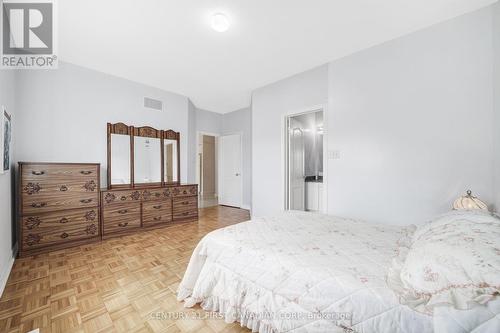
(142, 156)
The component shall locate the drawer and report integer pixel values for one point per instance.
(58, 173)
(60, 220)
(185, 215)
(50, 202)
(155, 207)
(156, 194)
(184, 191)
(120, 197)
(155, 212)
(151, 219)
(118, 218)
(185, 208)
(33, 239)
(184, 204)
(59, 187)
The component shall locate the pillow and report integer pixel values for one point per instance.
(453, 260)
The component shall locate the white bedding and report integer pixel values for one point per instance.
(302, 272)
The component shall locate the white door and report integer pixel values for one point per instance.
(230, 170)
(296, 168)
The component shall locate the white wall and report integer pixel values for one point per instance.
(496, 90)
(269, 106)
(7, 238)
(62, 114)
(240, 121)
(208, 121)
(412, 121)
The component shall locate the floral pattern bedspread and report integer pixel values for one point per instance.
(301, 272)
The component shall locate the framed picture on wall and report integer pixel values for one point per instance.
(5, 140)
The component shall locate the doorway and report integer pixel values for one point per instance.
(231, 185)
(304, 149)
(207, 170)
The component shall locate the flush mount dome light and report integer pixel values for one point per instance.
(220, 22)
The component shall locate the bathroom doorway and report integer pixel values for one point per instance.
(304, 146)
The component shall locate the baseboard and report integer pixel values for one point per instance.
(4, 277)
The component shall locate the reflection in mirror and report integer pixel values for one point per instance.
(120, 159)
(147, 160)
(170, 161)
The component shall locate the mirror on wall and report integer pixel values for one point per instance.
(142, 156)
(170, 156)
(147, 160)
(120, 159)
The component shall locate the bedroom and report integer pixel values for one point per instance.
(110, 236)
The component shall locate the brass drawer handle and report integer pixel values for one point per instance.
(38, 205)
(123, 211)
(157, 207)
(185, 202)
(185, 192)
(185, 213)
(86, 200)
(157, 218)
(64, 235)
(123, 198)
(123, 224)
(63, 220)
(63, 188)
(38, 173)
(85, 172)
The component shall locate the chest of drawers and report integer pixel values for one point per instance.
(128, 211)
(59, 206)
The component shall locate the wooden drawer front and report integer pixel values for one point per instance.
(61, 220)
(122, 217)
(185, 208)
(117, 197)
(33, 239)
(59, 187)
(156, 194)
(155, 212)
(155, 207)
(58, 172)
(184, 204)
(50, 202)
(188, 214)
(184, 191)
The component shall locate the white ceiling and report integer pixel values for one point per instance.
(170, 45)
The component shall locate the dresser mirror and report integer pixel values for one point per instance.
(120, 159)
(170, 153)
(147, 160)
(142, 156)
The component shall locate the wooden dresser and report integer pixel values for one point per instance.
(128, 210)
(59, 206)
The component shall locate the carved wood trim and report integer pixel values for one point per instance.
(147, 131)
(170, 135)
(119, 128)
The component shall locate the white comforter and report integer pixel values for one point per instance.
(301, 272)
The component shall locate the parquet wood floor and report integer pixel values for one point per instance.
(124, 284)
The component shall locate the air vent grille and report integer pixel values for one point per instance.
(154, 104)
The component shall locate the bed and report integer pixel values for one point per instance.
(306, 272)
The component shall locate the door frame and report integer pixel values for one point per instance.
(220, 186)
(199, 162)
(285, 158)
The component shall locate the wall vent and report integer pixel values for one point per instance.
(154, 104)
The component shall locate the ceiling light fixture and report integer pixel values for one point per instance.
(220, 22)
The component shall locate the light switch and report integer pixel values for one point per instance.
(334, 154)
